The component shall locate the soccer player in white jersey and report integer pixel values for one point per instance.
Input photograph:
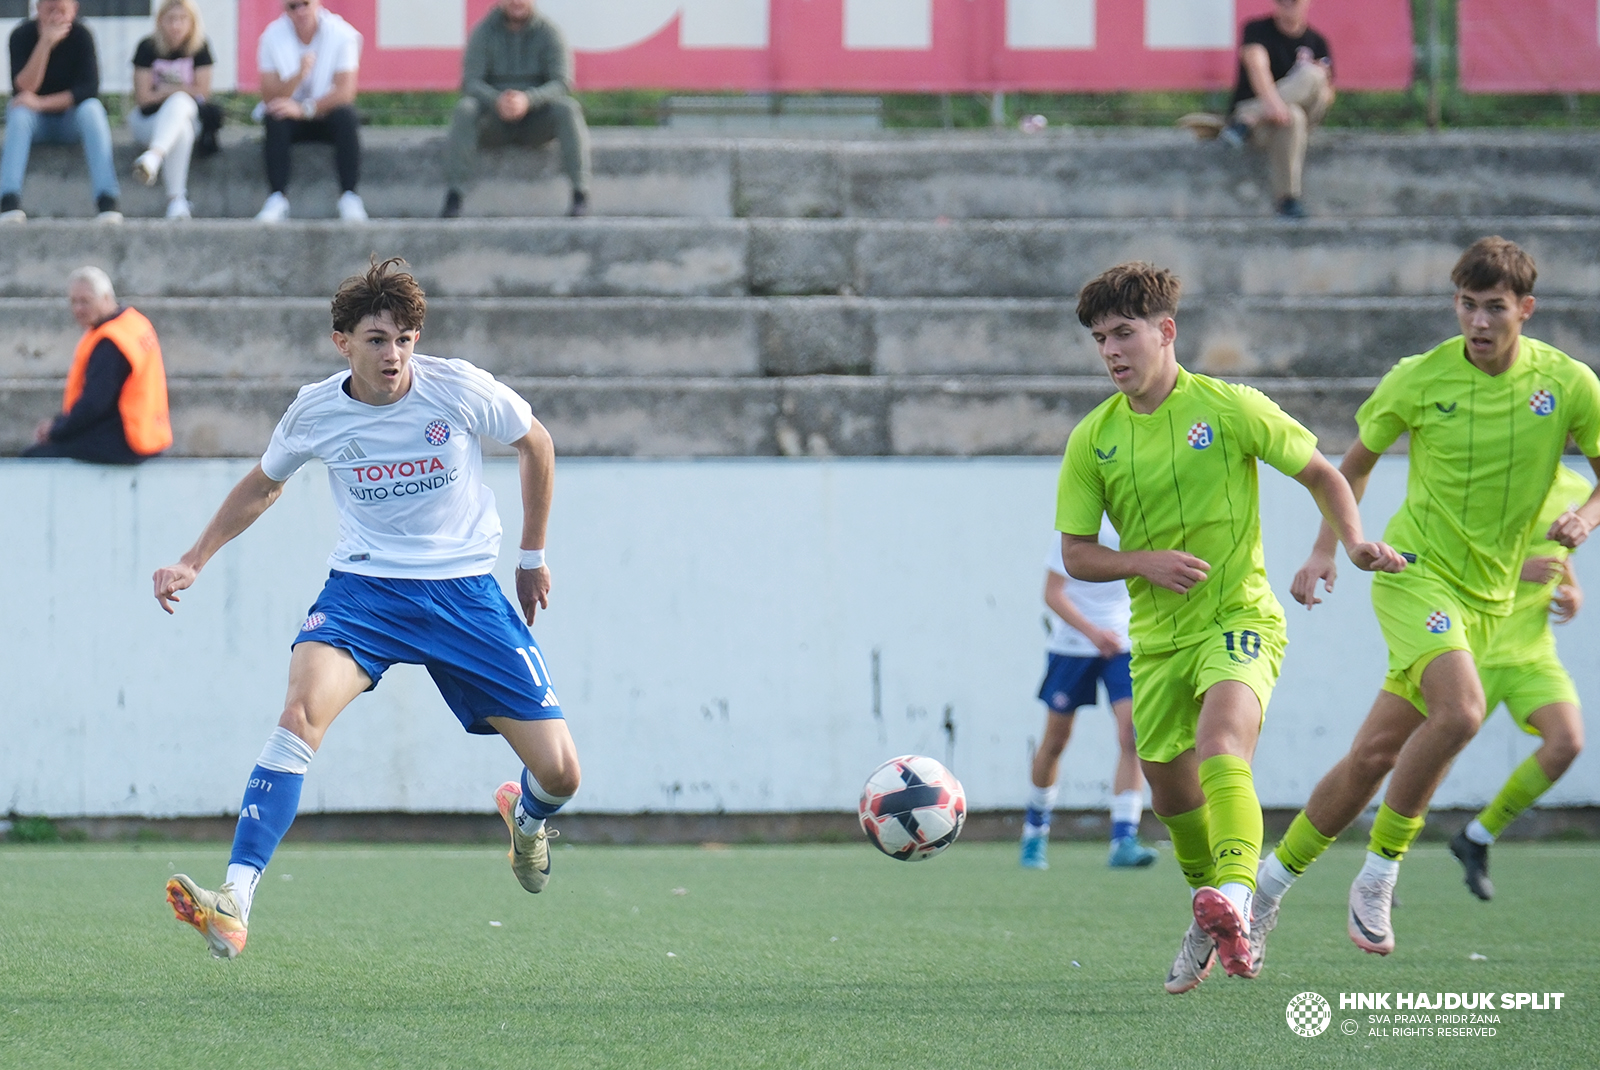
(1088, 648)
(418, 537)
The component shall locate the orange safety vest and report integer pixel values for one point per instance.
(143, 403)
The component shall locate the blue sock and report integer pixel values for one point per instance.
(1036, 818)
(537, 803)
(271, 799)
(1123, 830)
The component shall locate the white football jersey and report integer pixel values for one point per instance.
(408, 477)
(1105, 604)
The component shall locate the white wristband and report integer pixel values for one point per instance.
(530, 560)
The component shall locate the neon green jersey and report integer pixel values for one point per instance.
(1525, 636)
(1184, 478)
(1484, 450)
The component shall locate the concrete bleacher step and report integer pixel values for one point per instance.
(640, 257)
(1086, 173)
(890, 415)
(743, 337)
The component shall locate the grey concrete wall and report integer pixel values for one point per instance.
(1127, 173)
(712, 634)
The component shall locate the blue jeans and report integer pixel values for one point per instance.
(86, 123)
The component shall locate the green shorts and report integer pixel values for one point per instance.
(1169, 688)
(1422, 617)
(1533, 685)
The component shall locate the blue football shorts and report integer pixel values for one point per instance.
(1070, 682)
(463, 631)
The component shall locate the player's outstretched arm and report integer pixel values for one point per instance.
(1573, 526)
(244, 504)
(536, 466)
(1337, 493)
(1087, 560)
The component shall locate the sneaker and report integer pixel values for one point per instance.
(1033, 852)
(180, 208)
(1193, 964)
(1129, 853)
(1370, 901)
(580, 204)
(1216, 914)
(214, 914)
(1474, 858)
(1291, 208)
(147, 167)
(1234, 135)
(530, 855)
(275, 210)
(452, 205)
(351, 207)
(13, 215)
(1263, 919)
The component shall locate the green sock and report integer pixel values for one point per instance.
(1235, 818)
(1393, 833)
(1526, 784)
(1301, 845)
(1191, 846)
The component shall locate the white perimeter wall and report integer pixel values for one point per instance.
(711, 637)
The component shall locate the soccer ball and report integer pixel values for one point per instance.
(912, 808)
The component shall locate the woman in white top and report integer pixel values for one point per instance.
(171, 77)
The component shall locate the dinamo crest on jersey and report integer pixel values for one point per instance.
(1543, 403)
(437, 433)
(1200, 435)
(1438, 622)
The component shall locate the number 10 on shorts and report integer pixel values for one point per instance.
(1247, 644)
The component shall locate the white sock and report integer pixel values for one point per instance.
(527, 822)
(1240, 896)
(1380, 868)
(244, 879)
(1478, 834)
(1043, 798)
(1127, 806)
(1273, 878)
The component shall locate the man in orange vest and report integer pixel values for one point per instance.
(114, 410)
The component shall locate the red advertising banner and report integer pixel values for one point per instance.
(928, 46)
(1531, 46)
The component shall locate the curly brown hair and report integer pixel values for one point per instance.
(1136, 290)
(1492, 262)
(385, 287)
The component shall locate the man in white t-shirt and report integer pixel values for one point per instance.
(1088, 648)
(308, 58)
(411, 584)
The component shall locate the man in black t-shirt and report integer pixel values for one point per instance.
(1284, 89)
(55, 83)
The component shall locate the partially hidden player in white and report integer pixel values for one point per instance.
(1088, 647)
(410, 581)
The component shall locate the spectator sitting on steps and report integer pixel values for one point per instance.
(171, 79)
(309, 59)
(55, 83)
(1285, 87)
(516, 87)
(114, 410)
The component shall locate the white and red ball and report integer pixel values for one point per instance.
(912, 808)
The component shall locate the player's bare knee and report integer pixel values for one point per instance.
(295, 719)
(1459, 721)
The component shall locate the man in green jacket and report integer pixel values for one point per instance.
(516, 88)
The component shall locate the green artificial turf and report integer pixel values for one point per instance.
(756, 957)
